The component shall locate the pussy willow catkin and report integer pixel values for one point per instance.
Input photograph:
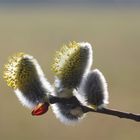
(25, 76)
(71, 62)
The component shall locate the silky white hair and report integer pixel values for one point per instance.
(93, 90)
(37, 90)
(71, 113)
(60, 114)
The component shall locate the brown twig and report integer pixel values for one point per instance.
(107, 111)
(120, 114)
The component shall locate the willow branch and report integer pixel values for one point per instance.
(117, 113)
(107, 111)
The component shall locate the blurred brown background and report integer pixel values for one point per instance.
(40, 30)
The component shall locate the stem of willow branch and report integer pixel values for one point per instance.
(120, 114)
(107, 111)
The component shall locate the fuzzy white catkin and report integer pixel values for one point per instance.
(93, 90)
(25, 76)
(78, 63)
(36, 91)
(71, 63)
(68, 113)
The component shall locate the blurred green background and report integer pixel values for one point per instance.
(40, 30)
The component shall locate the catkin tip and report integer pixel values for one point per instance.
(12, 70)
(71, 62)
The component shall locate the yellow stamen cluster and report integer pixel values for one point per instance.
(65, 59)
(70, 64)
(18, 71)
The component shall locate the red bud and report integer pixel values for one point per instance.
(40, 109)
